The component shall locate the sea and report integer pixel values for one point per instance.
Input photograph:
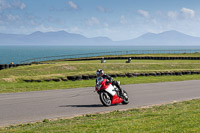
(17, 54)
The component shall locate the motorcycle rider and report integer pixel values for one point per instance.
(100, 72)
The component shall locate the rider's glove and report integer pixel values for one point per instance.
(107, 81)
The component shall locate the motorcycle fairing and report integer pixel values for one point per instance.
(116, 99)
(110, 90)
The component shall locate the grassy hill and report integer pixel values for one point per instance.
(12, 80)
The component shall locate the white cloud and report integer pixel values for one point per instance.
(144, 13)
(154, 21)
(11, 17)
(106, 25)
(22, 6)
(101, 9)
(4, 5)
(43, 28)
(75, 29)
(123, 20)
(183, 13)
(18, 4)
(172, 14)
(72, 5)
(93, 21)
(188, 13)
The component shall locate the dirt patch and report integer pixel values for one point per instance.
(67, 67)
(9, 79)
(50, 75)
(41, 77)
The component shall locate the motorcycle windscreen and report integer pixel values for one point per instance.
(110, 90)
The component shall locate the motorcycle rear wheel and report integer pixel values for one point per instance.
(105, 98)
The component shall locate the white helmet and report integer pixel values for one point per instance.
(99, 72)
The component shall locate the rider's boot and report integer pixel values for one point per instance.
(121, 93)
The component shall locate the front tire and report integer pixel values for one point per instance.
(125, 97)
(105, 98)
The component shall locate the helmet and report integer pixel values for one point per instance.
(99, 72)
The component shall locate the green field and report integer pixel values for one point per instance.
(7, 87)
(12, 80)
(170, 118)
(63, 69)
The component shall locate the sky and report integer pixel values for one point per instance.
(116, 19)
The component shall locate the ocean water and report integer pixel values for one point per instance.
(17, 54)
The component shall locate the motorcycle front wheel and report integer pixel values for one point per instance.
(125, 97)
(105, 98)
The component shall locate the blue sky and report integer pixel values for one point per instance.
(116, 19)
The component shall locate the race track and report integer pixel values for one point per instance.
(27, 107)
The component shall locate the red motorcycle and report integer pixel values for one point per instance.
(110, 94)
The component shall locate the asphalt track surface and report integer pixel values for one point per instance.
(24, 107)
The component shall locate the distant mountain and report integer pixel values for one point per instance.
(52, 38)
(170, 38)
(6, 39)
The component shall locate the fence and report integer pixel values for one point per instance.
(73, 56)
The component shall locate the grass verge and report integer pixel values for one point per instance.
(8, 87)
(70, 68)
(176, 117)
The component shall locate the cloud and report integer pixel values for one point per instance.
(144, 13)
(11, 17)
(101, 9)
(15, 4)
(123, 20)
(154, 21)
(188, 13)
(184, 13)
(4, 5)
(106, 25)
(172, 14)
(18, 4)
(73, 5)
(54, 20)
(93, 21)
(74, 29)
(44, 28)
(8, 19)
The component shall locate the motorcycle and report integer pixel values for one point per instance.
(109, 94)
